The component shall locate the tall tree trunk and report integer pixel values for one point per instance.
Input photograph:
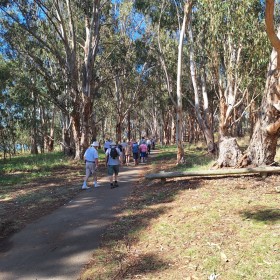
(128, 126)
(204, 120)
(50, 137)
(119, 130)
(173, 129)
(76, 132)
(34, 129)
(165, 120)
(179, 107)
(86, 123)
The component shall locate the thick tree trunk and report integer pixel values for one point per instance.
(86, 123)
(262, 147)
(75, 120)
(229, 153)
(119, 131)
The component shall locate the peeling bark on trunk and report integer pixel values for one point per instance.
(229, 153)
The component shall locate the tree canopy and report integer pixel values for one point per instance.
(75, 71)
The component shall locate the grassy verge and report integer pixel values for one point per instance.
(197, 158)
(32, 186)
(24, 168)
(190, 229)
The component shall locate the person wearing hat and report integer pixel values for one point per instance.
(113, 161)
(91, 160)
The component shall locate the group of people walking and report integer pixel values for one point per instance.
(115, 155)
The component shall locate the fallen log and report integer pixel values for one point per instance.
(263, 171)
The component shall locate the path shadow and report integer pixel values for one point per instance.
(262, 215)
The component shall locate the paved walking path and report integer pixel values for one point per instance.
(57, 246)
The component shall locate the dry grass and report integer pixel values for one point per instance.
(190, 229)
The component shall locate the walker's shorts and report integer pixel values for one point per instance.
(90, 169)
(135, 156)
(113, 169)
(143, 154)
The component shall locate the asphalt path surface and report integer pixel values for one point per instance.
(58, 246)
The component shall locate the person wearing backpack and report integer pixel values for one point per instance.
(113, 162)
(135, 152)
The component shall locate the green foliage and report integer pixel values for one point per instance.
(128, 57)
(236, 24)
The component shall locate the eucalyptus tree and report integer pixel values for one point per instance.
(198, 70)
(8, 111)
(263, 143)
(167, 45)
(123, 68)
(171, 19)
(179, 107)
(11, 112)
(69, 33)
(233, 69)
(34, 110)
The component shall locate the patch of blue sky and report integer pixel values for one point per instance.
(141, 26)
(137, 20)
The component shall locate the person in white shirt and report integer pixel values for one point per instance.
(91, 160)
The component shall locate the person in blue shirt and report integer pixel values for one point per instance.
(91, 160)
(113, 161)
